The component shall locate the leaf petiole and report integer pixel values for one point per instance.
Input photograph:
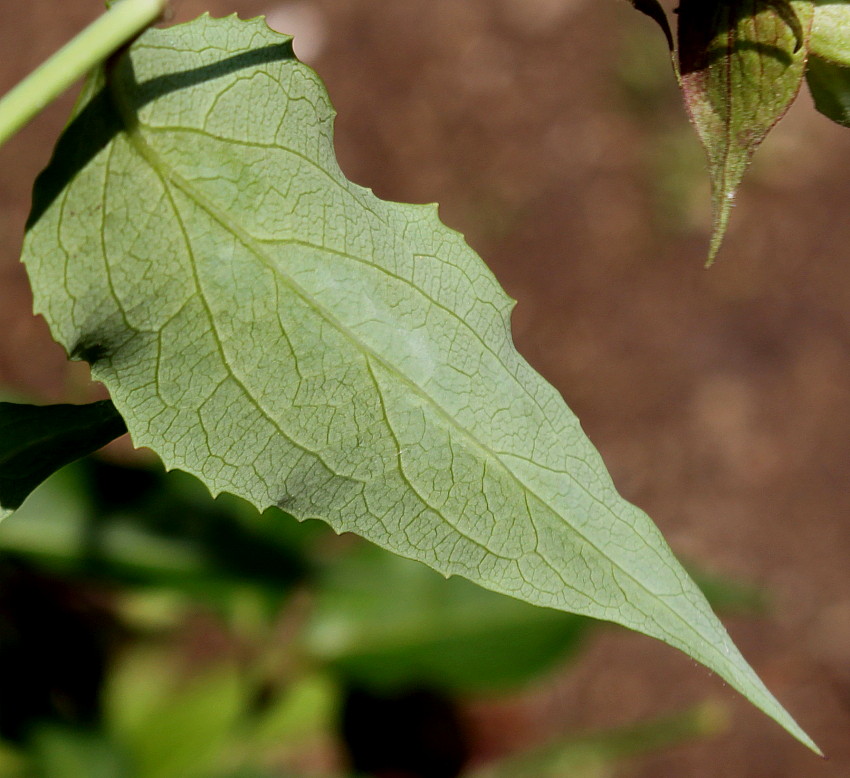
(120, 24)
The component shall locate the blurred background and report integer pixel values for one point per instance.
(148, 631)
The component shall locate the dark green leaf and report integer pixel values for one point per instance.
(830, 87)
(63, 752)
(159, 530)
(828, 71)
(36, 440)
(741, 64)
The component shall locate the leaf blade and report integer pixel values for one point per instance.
(830, 38)
(36, 441)
(741, 66)
(829, 84)
(278, 331)
(828, 67)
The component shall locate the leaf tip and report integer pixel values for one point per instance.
(803, 738)
(713, 249)
(723, 201)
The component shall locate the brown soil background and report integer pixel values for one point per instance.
(552, 135)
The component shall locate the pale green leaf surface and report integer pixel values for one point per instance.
(831, 31)
(267, 325)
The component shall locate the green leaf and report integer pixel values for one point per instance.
(597, 754)
(172, 727)
(264, 323)
(828, 68)
(830, 39)
(741, 64)
(63, 752)
(163, 540)
(830, 87)
(387, 622)
(35, 441)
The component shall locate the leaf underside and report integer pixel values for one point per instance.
(37, 440)
(264, 323)
(828, 67)
(741, 64)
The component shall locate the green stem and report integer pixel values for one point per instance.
(120, 24)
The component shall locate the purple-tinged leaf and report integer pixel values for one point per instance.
(741, 64)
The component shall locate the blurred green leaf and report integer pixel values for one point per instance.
(830, 39)
(598, 755)
(140, 526)
(37, 440)
(254, 772)
(306, 708)
(61, 752)
(14, 762)
(170, 725)
(731, 596)
(47, 528)
(384, 621)
(741, 65)
(829, 84)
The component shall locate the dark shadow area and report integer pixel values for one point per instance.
(55, 642)
(416, 733)
(233, 549)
